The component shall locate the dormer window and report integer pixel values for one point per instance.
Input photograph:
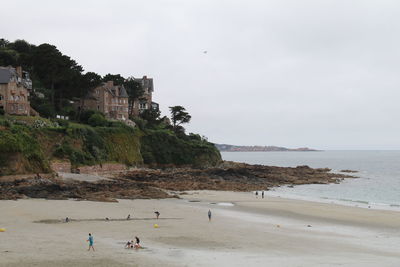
(143, 105)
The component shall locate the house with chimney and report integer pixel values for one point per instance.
(145, 101)
(110, 99)
(15, 87)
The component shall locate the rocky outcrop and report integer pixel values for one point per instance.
(156, 183)
(234, 177)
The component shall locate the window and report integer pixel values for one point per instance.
(1, 97)
(143, 105)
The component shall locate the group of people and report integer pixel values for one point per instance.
(262, 194)
(131, 244)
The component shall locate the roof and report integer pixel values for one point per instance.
(5, 75)
(146, 83)
(122, 92)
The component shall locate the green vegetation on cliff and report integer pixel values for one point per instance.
(165, 147)
(166, 144)
(27, 144)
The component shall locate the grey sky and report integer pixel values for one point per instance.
(323, 74)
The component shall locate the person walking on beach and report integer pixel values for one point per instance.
(256, 194)
(209, 215)
(157, 214)
(90, 240)
(262, 194)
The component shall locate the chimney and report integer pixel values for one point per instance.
(19, 71)
(110, 83)
(144, 77)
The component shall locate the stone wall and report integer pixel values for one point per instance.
(61, 166)
(65, 166)
(104, 168)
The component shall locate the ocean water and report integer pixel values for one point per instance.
(378, 185)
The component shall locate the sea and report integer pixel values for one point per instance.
(378, 185)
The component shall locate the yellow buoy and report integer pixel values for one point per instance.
(2, 229)
(156, 226)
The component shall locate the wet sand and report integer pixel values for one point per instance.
(244, 231)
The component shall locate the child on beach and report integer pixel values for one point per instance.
(90, 240)
(129, 244)
(157, 214)
(137, 244)
(209, 215)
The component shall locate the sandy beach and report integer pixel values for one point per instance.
(243, 231)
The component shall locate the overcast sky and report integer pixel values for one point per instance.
(323, 74)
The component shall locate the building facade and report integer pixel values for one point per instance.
(15, 87)
(110, 99)
(146, 101)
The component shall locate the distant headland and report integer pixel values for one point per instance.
(234, 148)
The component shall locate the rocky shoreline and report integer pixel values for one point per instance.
(164, 183)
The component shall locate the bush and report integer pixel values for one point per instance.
(62, 123)
(86, 114)
(141, 123)
(166, 147)
(45, 110)
(97, 120)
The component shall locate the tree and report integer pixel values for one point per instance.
(152, 116)
(179, 116)
(3, 43)
(56, 71)
(116, 78)
(134, 90)
(8, 58)
(89, 81)
(21, 46)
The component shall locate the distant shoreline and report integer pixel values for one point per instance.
(234, 148)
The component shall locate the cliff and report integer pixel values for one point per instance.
(29, 145)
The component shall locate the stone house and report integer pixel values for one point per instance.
(110, 99)
(144, 102)
(15, 87)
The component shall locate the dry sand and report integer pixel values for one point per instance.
(244, 231)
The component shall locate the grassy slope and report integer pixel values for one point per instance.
(28, 145)
(26, 149)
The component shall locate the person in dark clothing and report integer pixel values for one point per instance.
(157, 214)
(262, 194)
(209, 215)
